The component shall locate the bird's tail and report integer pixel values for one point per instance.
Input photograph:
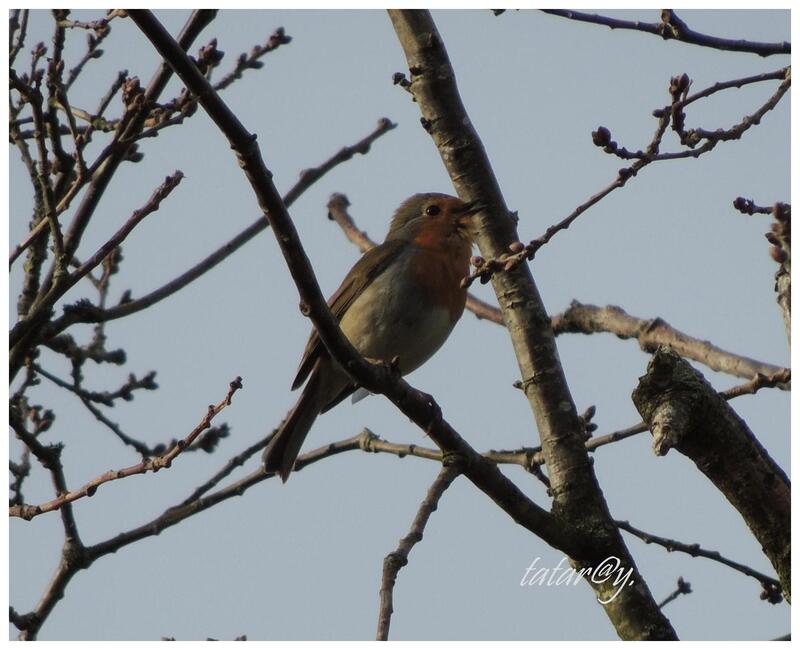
(283, 449)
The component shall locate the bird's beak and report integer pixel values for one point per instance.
(472, 207)
(465, 219)
(466, 214)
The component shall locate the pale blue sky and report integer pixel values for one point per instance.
(303, 560)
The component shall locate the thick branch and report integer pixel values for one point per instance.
(683, 411)
(652, 333)
(579, 502)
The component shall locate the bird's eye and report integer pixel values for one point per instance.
(432, 210)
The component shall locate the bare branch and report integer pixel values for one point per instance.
(652, 333)
(50, 458)
(777, 75)
(28, 512)
(577, 497)
(307, 179)
(17, 24)
(780, 379)
(770, 585)
(683, 589)
(125, 392)
(42, 307)
(684, 412)
(253, 61)
(673, 28)
(516, 253)
(693, 137)
(398, 558)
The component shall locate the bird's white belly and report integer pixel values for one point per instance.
(388, 321)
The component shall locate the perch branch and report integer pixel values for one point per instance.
(421, 408)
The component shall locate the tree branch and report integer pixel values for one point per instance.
(772, 588)
(117, 152)
(65, 497)
(25, 329)
(652, 333)
(307, 179)
(398, 558)
(683, 411)
(683, 589)
(673, 28)
(578, 499)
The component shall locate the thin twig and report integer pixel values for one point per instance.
(252, 60)
(19, 25)
(673, 28)
(125, 392)
(518, 253)
(307, 179)
(398, 558)
(777, 75)
(58, 290)
(50, 458)
(748, 206)
(34, 98)
(101, 30)
(770, 585)
(780, 379)
(683, 588)
(28, 512)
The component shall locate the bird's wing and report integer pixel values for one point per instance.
(365, 270)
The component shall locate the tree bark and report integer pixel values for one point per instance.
(578, 501)
(684, 412)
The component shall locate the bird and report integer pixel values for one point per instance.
(398, 304)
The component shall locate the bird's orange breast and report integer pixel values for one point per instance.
(440, 263)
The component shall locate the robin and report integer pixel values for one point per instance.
(398, 303)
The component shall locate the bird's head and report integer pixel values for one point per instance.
(433, 215)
